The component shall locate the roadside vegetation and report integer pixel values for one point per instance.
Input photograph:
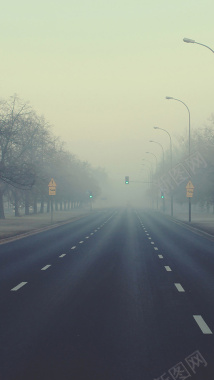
(30, 155)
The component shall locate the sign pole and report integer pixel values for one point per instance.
(189, 189)
(189, 210)
(51, 208)
(52, 192)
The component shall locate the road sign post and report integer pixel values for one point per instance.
(189, 194)
(52, 193)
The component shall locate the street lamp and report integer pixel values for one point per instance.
(170, 97)
(161, 148)
(156, 161)
(189, 41)
(150, 169)
(170, 161)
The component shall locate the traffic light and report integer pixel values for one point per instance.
(162, 194)
(127, 180)
(90, 195)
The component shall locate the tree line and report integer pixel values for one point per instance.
(30, 155)
(202, 141)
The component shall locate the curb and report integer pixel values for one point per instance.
(196, 230)
(39, 230)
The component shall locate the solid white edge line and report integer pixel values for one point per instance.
(18, 286)
(46, 267)
(202, 324)
(168, 269)
(179, 287)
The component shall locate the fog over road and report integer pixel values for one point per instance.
(120, 294)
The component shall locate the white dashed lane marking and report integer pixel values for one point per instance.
(202, 324)
(73, 247)
(156, 248)
(46, 267)
(160, 256)
(64, 254)
(80, 242)
(179, 287)
(18, 286)
(168, 269)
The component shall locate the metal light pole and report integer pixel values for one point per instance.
(170, 161)
(170, 97)
(150, 176)
(162, 151)
(156, 162)
(156, 142)
(147, 171)
(189, 41)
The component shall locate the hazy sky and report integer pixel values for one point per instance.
(99, 72)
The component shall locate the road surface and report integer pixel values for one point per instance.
(117, 295)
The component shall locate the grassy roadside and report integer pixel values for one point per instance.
(12, 226)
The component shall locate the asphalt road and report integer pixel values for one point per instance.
(116, 295)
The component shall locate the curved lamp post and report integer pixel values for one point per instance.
(170, 97)
(156, 142)
(150, 167)
(178, 100)
(170, 161)
(156, 162)
(189, 41)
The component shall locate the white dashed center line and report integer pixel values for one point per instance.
(73, 247)
(156, 248)
(202, 324)
(160, 256)
(64, 254)
(18, 286)
(152, 242)
(87, 237)
(46, 267)
(168, 269)
(80, 242)
(179, 287)
(92, 233)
